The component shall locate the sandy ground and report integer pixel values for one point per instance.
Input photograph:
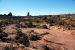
(58, 37)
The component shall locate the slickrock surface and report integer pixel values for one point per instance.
(57, 39)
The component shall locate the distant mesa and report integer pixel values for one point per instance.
(9, 14)
(28, 15)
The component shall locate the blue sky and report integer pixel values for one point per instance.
(37, 7)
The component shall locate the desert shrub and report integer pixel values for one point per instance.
(4, 39)
(19, 34)
(0, 30)
(10, 40)
(1, 22)
(22, 38)
(18, 25)
(22, 25)
(45, 27)
(4, 22)
(51, 20)
(55, 21)
(61, 22)
(6, 48)
(3, 36)
(37, 21)
(72, 25)
(30, 25)
(46, 47)
(34, 37)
